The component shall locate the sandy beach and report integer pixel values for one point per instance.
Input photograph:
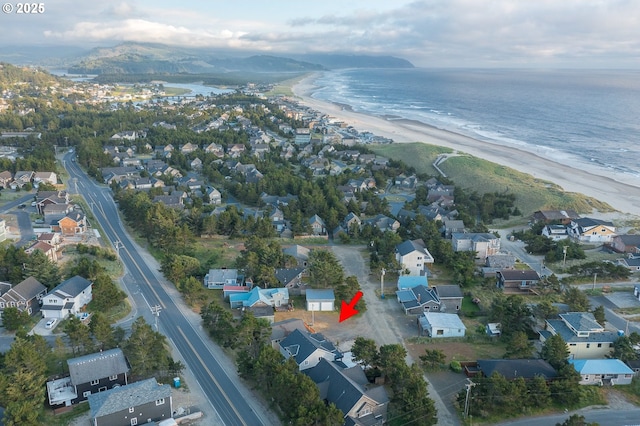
(620, 191)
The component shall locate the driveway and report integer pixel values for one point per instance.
(383, 320)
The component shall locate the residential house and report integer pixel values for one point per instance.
(602, 371)
(521, 280)
(73, 223)
(439, 324)
(173, 201)
(383, 223)
(350, 391)
(451, 226)
(51, 238)
(484, 244)
(631, 263)
(320, 300)
(419, 299)
(235, 150)
(137, 403)
(512, 369)
(215, 149)
(25, 296)
(215, 197)
(129, 135)
(188, 148)
(555, 232)
(46, 177)
(628, 243)
(44, 198)
(272, 297)
(414, 257)
(5, 179)
(299, 253)
(68, 298)
(590, 230)
(21, 178)
(218, 278)
(450, 297)
(290, 278)
(116, 174)
(55, 212)
(46, 248)
(498, 262)
(585, 338)
(281, 329)
(307, 349)
(196, 164)
(317, 225)
(89, 374)
(563, 217)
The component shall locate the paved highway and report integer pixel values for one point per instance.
(141, 282)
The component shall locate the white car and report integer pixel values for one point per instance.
(51, 323)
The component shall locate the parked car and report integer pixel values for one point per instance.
(51, 323)
(22, 206)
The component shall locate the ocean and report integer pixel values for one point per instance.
(592, 115)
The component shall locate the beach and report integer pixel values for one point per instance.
(619, 190)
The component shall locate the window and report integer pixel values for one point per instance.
(114, 377)
(102, 389)
(160, 401)
(95, 382)
(132, 409)
(572, 344)
(440, 332)
(599, 345)
(588, 345)
(1, 304)
(85, 394)
(134, 421)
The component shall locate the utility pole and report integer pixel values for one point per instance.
(382, 272)
(155, 310)
(595, 275)
(467, 400)
(564, 256)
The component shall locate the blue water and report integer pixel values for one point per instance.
(594, 115)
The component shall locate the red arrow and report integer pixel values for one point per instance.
(349, 310)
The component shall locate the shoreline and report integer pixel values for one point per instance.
(618, 190)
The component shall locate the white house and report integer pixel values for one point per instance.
(438, 324)
(555, 232)
(218, 278)
(68, 298)
(413, 256)
(484, 244)
(602, 371)
(320, 300)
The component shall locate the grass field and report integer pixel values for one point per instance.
(475, 174)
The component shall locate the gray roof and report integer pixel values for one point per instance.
(282, 329)
(442, 320)
(96, 366)
(447, 291)
(581, 321)
(286, 275)
(301, 345)
(71, 287)
(417, 296)
(320, 295)
(513, 368)
(409, 246)
(132, 395)
(561, 328)
(340, 388)
(519, 274)
(29, 288)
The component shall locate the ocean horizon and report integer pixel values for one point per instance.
(571, 115)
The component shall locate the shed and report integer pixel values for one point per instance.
(320, 300)
(438, 324)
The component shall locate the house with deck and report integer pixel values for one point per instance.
(585, 337)
(517, 280)
(414, 257)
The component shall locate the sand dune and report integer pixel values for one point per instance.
(620, 191)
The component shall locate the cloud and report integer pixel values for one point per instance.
(448, 33)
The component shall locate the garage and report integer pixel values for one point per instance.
(320, 300)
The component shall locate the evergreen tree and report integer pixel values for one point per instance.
(555, 351)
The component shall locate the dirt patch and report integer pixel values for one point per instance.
(459, 351)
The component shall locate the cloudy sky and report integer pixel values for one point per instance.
(478, 33)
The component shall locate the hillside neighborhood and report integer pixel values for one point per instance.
(245, 202)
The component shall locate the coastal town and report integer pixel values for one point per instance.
(243, 223)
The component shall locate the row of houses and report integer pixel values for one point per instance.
(68, 298)
(102, 380)
(20, 178)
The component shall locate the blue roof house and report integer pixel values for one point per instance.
(274, 297)
(602, 371)
(410, 281)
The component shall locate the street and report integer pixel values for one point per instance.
(147, 289)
